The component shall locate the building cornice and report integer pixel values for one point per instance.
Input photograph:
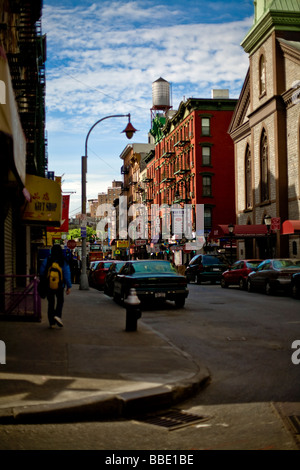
(271, 21)
(239, 133)
(199, 104)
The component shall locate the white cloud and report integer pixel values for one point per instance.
(102, 60)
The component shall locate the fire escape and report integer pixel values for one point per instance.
(27, 68)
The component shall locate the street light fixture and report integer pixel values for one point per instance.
(268, 222)
(129, 131)
(231, 229)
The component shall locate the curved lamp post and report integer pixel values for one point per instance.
(129, 131)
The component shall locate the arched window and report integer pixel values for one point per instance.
(262, 75)
(264, 167)
(248, 178)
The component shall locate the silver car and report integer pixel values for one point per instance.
(273, 275)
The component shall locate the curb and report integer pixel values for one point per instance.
(109, 406)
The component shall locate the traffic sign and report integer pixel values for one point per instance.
(71, 244)
(275, 223)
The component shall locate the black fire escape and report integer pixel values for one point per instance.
(27, 68)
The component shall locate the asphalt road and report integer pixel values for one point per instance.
(245, 339)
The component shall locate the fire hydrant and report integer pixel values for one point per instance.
(133, 312)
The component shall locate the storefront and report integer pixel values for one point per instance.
(249, 241)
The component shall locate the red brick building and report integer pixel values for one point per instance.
(194, 158)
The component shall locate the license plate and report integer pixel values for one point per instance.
(216, 269)
(160, 294)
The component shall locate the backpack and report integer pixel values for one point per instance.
(55, 276)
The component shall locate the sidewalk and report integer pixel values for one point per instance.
(91, 368)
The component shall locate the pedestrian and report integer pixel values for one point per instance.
(57, 271)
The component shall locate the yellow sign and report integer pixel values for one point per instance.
(45, 205)
(122, 243)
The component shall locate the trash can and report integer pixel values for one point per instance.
(133, 312)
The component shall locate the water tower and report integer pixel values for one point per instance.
(160, 97)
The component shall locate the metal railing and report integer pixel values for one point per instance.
(19, 298)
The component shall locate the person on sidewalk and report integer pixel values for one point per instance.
(60, 279)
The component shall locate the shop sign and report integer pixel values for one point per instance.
(45, 205)
(122, 243)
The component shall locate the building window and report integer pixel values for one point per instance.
(262, 75)
(206, 186)
(206, 156)
(248, 178)
(264, 167)
(207, 218)
(205, 126)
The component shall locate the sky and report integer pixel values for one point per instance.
(102, 58)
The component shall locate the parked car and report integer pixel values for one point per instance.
(203, 268)
(97, 277)
(111, 276)
(237, 274)
(91, 269)
(273, 275)
(295, 285)
(152, 280)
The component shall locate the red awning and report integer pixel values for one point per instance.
(290, 227)
(240, 231)
(250, 230)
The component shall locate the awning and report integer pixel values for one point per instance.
(250, 230)
(240, 231)
(291, 227)
(9, 118)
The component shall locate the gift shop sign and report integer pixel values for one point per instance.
(45, 204)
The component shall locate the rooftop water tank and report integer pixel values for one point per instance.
(161, 94)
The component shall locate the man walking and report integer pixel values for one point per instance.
(57, 271)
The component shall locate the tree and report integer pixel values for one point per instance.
(76, 233)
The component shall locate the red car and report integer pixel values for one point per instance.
(97, 278)
(238, 273)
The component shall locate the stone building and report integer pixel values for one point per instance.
(266, 133)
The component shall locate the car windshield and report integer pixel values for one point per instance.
(283, 263)
(104, 266)
(153, 267)
(213, 260)
(253, 264)
(118, 266)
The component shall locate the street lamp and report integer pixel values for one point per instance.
(268, 221)
(231, 229)
(129, 131)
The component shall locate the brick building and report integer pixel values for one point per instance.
(108, 197)
(194, 159)
(266, 132)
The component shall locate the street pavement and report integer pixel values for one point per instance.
(93, 367)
